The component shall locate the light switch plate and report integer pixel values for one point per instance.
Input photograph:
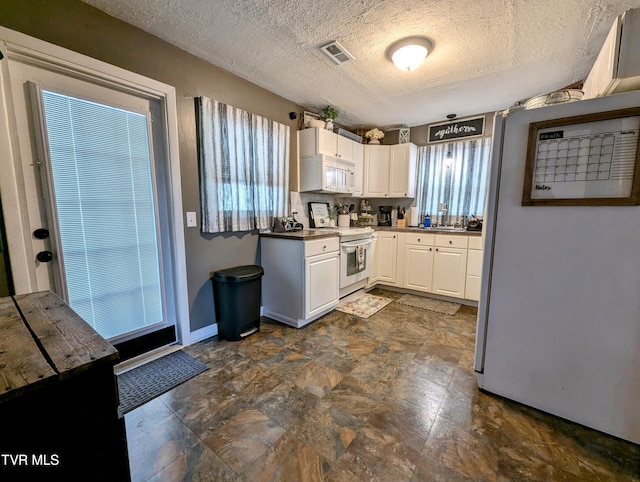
(191, 220)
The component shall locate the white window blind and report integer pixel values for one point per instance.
(104, 200)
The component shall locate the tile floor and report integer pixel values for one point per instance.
(389, 398)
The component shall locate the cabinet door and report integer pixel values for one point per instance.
(388, 265)
(398, 170)
(327, 142)
(376, 171)
(402, 161)
(600, 79)
(344, 147)
(418, 267)
(449, 271)
(314, 141)
(322, 278)
(375, 262)
(358, 159)
(474, 270)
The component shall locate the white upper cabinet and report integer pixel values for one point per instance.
(389, 171)
(376, 171)
(322, 141)
(358, 159)
(402, 170)
(344, 147)
(617, 67)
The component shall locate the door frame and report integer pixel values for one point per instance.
(17, 46)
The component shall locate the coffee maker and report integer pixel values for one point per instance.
(384, 216)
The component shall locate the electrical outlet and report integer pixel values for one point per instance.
(191, 220)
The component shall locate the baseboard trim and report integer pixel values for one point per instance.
(139, 360)
(203, 333)
(398, 289)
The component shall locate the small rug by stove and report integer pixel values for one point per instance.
(364, 306)
(439, 306)
(146, 382)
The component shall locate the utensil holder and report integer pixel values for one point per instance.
(343, 220)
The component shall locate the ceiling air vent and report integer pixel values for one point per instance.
(336, 52)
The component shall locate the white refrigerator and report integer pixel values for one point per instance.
(559, 312)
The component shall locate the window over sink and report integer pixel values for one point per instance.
(453, 174)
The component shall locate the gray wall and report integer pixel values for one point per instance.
(84, 29)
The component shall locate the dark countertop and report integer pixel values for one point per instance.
(427, 230)
(305, 234)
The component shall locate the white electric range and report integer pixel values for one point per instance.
(356, 257)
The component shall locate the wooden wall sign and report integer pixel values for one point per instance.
(454, 130)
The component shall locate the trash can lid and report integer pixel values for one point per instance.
(239, 273)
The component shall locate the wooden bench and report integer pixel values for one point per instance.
(59, 415)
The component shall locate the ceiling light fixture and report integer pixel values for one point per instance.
(408, 53)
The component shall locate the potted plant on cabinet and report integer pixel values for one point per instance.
(329, 114)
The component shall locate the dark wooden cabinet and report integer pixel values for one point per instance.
(59, 415)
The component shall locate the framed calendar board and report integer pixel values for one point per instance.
(587, 160)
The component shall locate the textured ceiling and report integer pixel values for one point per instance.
(488, 53)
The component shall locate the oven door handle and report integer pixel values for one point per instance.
(355, 244)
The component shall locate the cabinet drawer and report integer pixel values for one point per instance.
(451, 241)
(475, 242)
(425, 239)
(321, 246)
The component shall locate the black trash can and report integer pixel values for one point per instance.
(237, 293)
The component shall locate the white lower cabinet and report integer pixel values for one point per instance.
(418, 261)
(387, 247)
(374, 274)
(474, 269)
(442, 264)
(301, 278)
(321, 289)
(450, 265)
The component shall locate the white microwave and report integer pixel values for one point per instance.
(322, 173)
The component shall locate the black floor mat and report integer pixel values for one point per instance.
(144, 383)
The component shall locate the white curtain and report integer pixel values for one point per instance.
(454, 173)
(244, 168)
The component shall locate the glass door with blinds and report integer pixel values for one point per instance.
(98, 177)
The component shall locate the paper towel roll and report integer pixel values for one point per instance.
(414, 218)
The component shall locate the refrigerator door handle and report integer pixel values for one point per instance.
(488, 232)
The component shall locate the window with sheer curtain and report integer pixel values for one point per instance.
(455, 173)
(244, 168)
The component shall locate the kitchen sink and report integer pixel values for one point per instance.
(446, 228)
